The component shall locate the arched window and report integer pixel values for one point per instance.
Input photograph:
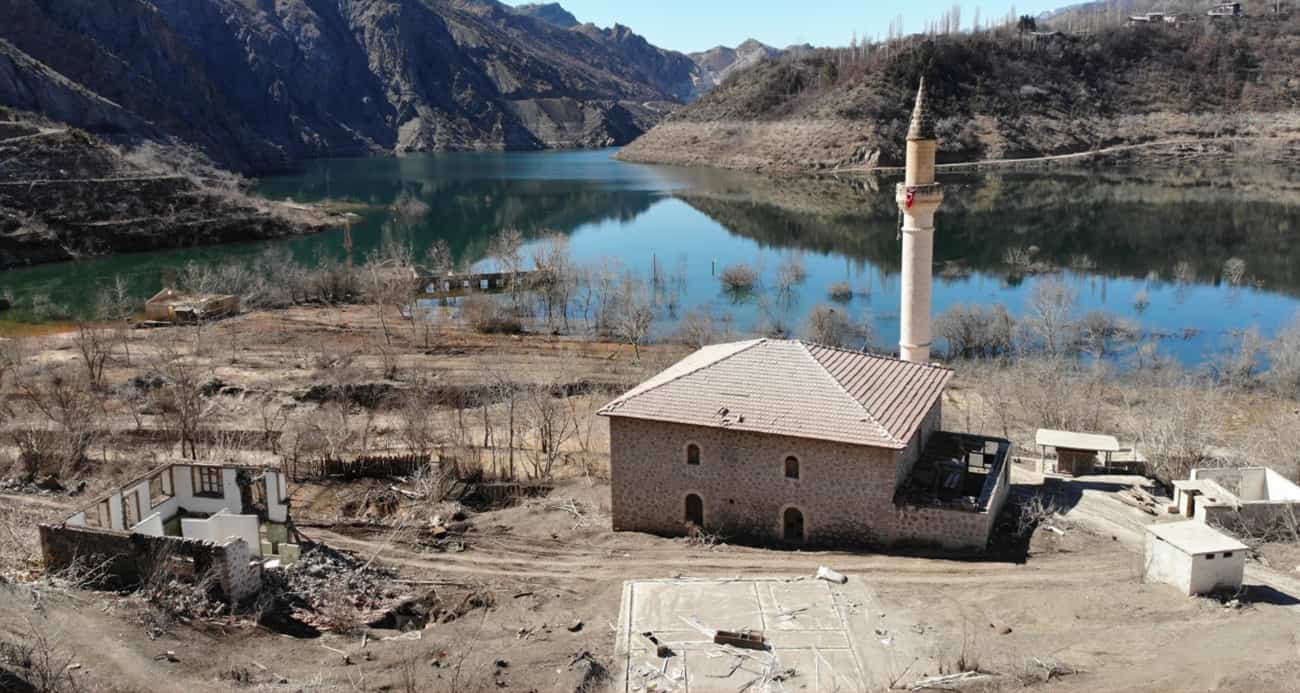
(792, 467)
(792, 525)
(695, 510)
(692, 454)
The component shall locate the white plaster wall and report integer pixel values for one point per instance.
(226, 527)
(1163, 562)
(115, 511)
(78, 520)
(196, 529)
(185, 498)
(151, 525)
(277, 509)
(1254, 485)
(1278, 488)
(1209, 574)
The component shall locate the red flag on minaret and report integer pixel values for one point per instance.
(911, 197)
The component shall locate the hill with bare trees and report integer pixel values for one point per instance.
(1020, 90)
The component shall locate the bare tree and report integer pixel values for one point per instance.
(118, 307)
(507, 249)
(1047, 317)
(419, 430)
(182, 400)
(555, 277)
(389, 281)
(634, 314)
(551, 425)
(93, 346)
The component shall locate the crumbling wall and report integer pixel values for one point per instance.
(239, 577)
(121, 560)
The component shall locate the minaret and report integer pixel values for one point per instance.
(918, 199)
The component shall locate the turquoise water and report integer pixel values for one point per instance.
(1193, 257)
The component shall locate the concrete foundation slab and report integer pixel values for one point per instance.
(818, 632)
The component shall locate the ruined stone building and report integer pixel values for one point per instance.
(186, 518)
(803, 443)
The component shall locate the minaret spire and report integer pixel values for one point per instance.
(918, 199)
(922, 127)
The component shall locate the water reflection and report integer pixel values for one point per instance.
(1193, 254)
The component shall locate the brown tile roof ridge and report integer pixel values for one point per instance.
(659, 380)
(872, 355)
(808, 349)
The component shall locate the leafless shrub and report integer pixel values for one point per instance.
(1033, 512)
(841, 292)
(739, 279)
(70, 413)
(1234, 271)
(1100, 333)
(1141, 300)
(834, 327)
(700, 537)
(1036, 385)
(40, 660)
(791, 272)
(1284, 361)
(1239, 367)
(697, 328)
(489, 316)
(976, 331)
(1173, 425)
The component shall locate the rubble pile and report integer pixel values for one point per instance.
(331, 590)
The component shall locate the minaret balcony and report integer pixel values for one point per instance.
(914, 195)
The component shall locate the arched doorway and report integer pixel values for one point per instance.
(792, 525)
(695, 510)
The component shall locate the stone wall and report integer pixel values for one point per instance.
(845, 492)
(127, 559)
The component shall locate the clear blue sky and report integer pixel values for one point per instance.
(695, 25)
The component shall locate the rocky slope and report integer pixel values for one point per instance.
(258, 85)
(65, 194)
(720, 62)
(996, 95)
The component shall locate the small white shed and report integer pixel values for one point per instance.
(1193, 557)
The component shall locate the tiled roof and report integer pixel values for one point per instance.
(792, 388)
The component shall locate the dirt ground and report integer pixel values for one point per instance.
(1067, 611)
(1075, 607)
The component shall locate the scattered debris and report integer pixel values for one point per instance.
(1137, 497)
(824, 573)
(662, 651)
(744, 639)
(575, 626)
(943, 682)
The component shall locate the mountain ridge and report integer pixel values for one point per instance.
(258, 86)
(996, 94)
